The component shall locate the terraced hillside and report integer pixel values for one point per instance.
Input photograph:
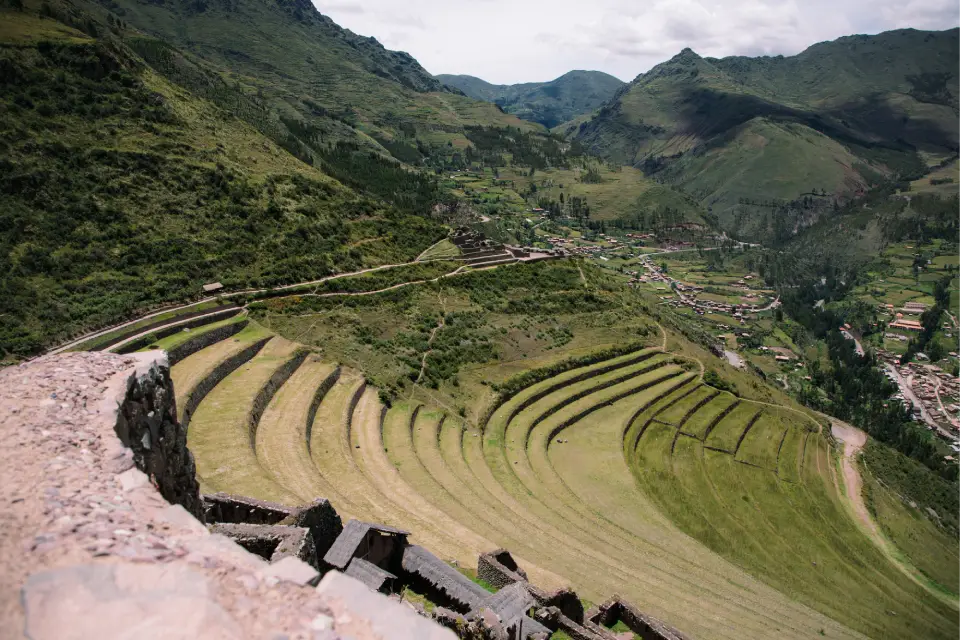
(718, 514)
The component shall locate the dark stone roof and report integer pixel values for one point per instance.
(350, 538)
(509, 603)
(455, 585)
(530, 627)
(368, 573)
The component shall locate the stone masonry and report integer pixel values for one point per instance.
(93, 547)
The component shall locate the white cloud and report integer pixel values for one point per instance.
(507, 41)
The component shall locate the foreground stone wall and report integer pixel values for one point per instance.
(147, 425)
(91, 549)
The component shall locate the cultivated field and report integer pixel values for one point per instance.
(719, 514)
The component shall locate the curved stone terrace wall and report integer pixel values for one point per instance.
(92, 549)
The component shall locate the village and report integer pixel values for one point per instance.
(687, 294)
(932, 393)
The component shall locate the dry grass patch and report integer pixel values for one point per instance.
(220, 430)
(281, 445)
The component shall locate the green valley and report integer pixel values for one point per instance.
(691, 340)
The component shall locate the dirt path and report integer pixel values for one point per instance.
(853, 440)
(433, 334)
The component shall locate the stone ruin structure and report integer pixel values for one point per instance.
(107, 532)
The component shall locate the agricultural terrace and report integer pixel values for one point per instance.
(612, 470)
(908, 273)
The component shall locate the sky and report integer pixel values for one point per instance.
(511, 41)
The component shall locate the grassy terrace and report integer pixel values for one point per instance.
(112, 337)
(281, 443)
(794, 535)
(586, 477)
(220, 432)
(197, 367)
(179, 338)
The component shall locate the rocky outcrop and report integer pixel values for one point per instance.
(147, 425)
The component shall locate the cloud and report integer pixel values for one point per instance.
(507, 41)
(355, 8)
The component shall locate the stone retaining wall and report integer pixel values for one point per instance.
(271, 542)
(620, 396)
(318, 397)
(166, 331)
(640, 356)
(97, 551)
(268, 390)
(319, 517)
(216, 376)
(204, 340)
(616, 609)
(147, 425)
(498, 569)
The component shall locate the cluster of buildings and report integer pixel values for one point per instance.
(901, 321)
(932, 394)
(687, 294)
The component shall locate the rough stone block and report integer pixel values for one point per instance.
(114, 601)
(291, 569)
(271, 542)
(364, 613)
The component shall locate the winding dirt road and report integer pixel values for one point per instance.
(853, 440)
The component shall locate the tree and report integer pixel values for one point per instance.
(935, 351)
(941, 292)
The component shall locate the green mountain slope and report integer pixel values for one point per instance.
(120, 190)
(747, 136)
(309, 79)
(549, 103)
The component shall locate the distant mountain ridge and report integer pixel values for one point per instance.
(550, 103)
(749, 136)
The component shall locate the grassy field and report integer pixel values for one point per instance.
(594, 475)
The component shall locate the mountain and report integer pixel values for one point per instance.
(549, 103)
(299, 75)
(120, 190)
(770, 143)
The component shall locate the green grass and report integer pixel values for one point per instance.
(180, 337)
(215, 199)
(219, 434)
(131, 330)
(726, 434)
(443, 249)
(927, 546)
(761, 445)
(787, 533)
